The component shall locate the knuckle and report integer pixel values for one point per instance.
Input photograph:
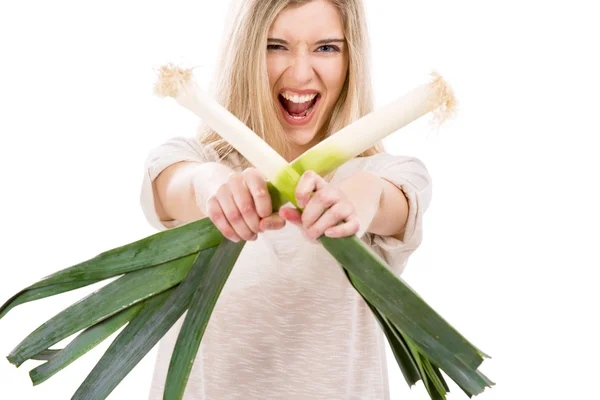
(247, 208)
(234, 216)
(247, 236)
(350, 207)
(251, 171)
(308, 175)
(261, 193)
(345, 210)
(217, 221)
(227, 231)
(222, 190)
(212, 202)
(214, 213)
(263, 213)
(215, 216)
(322, 196)
(234, 177)
(336, 213)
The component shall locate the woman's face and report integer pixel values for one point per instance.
(307, 62)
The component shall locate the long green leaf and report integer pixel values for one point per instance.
(156, 249)
(95, 386)
(196, 320)
(467, 377)
(27, 295)
(46, 355)
(83, 343)
(106, 301)
(401, 353)
(430, 386)
(408, 312)
(142, 334)
(403, 356)
(436, 370)
(433, 378)
(153, 250)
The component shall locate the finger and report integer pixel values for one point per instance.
(272, 222)
(318, 204)
(294, 216)
(291, 214)
(232, 213)
(309, 182)
(216, 215)
(257, 186)
(245, 204)
(348, 228)
(337, 213)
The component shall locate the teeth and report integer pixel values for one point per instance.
(303, 115)
(298, 99)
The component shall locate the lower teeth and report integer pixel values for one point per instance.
(303, 115)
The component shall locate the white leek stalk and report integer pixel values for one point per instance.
(177, 83)
(436, 96)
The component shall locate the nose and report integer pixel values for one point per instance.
(302, 69)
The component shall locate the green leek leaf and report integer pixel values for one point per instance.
(106, 301)
(83, 343)
(196, 320)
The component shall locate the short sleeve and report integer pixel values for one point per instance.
(410, 175)
(171, 152)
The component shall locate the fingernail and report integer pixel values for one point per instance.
(235, 239)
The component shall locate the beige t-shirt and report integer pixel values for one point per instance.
(288, 324)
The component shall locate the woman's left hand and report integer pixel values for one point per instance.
(327, 206)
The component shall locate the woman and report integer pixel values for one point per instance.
(288, 324)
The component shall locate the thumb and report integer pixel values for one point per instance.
(295, 217)
(292, 215)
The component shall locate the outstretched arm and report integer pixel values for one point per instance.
(379, 203)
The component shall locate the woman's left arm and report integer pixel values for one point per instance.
(378, 203)
(364, 201)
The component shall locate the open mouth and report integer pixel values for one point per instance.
(298, 108)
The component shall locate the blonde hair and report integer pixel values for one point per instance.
(241, 83)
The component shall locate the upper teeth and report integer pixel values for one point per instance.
(298, 99)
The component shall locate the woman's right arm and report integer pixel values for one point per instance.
(184, 188)
(182, 184)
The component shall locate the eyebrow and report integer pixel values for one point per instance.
(323, 41)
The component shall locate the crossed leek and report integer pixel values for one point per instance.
(185, 269)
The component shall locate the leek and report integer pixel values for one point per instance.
(420, 339)
(433, 337)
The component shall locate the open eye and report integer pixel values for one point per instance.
(328, 48)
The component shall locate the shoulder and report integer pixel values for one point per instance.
(190, 148)
(382, 163)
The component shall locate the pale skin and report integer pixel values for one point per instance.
(306, 51)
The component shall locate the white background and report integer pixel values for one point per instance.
(509, 254)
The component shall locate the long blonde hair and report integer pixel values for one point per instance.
(241, 83)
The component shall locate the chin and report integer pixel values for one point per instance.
(301, 137)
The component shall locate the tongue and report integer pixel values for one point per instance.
(295, 108)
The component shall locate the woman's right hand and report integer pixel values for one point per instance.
(241, 207)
